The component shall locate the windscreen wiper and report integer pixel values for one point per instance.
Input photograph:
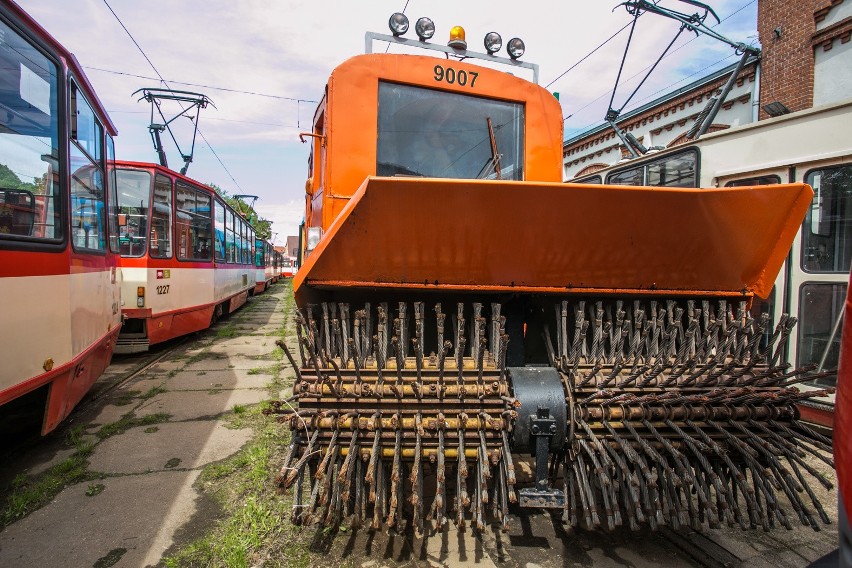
(494, 161)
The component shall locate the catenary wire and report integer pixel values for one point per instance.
(142, 51)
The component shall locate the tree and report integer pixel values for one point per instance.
(262, 227)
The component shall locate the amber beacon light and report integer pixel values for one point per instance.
(457, 38)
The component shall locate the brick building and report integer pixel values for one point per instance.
(806, 61)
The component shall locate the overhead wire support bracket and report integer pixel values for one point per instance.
(155, 96)
(690, 22)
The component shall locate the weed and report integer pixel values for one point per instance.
(151, 429)
(201, 373)
(129, 421)
(95, 489)
(153, 391)
(28, 494)
(125, 398)
(227, 331)
(239, 409)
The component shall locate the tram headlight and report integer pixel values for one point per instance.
(493, 42)
(457, 38)
(140, 297)
(398, 24)
(314, 235)
(425, 28)
(515, 47)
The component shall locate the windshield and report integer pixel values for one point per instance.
(29, 141)
(134, 191)
(423, 132)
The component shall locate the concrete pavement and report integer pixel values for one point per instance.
(145, 495)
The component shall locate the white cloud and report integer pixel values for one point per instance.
(288, 49)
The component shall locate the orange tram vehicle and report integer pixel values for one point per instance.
(59, 279)
(186, 256)
(617, 349)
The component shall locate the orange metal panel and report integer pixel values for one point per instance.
(551, 237)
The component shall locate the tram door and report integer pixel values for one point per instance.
(821, 258)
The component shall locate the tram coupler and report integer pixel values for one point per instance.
(542, 429)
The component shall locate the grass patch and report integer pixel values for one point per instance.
(153, 391)
(29, 494)
(269, 370)
(253, 532)
(229, 330)
(129, 421)
(125, 398)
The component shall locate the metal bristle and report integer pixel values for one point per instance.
(681, 414)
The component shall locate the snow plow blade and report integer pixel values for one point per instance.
(491, 236)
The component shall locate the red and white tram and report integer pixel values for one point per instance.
(186, 255)
(287, 266)
(264, 260)
(59, 286)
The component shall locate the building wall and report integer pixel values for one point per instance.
(806, 60)
(785, 28)
(662, 125)
(833, 53)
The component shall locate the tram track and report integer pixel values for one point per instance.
(148, 360)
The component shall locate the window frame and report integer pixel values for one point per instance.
(644, 164)
(62, 195)
(180, 184)
(74, 89)
(171, 208)
(806, 230)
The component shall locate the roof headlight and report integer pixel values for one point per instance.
(515, 47)
(493, 42)
(425, 28)
(457, 38)
(398, 23)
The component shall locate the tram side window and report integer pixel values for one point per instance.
(241, 226)
(161, 218)
(230, 242)
(134, 189)
(247, 242)
(30, 198)
(219, 231)
(677, 170)
(258, 253)
(633, 176)
(820, 306)
(759, 180)
(88, 216)
(251, 246)
(112, 183)
(827, 231)
(193, 223)
(244, 243)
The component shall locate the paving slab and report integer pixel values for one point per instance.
(133, 518)
(194, 443)
(192, 405)
(247, 348)
(108, 414)
(166, 366)
(224, 363)
(50, 460)
(206, 380)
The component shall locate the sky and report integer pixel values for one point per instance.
(264, 64)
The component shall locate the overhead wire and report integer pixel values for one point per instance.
(666, 55)
(142, 51)
(200, 85)
(606, 41)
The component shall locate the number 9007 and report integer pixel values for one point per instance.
(449, 75)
